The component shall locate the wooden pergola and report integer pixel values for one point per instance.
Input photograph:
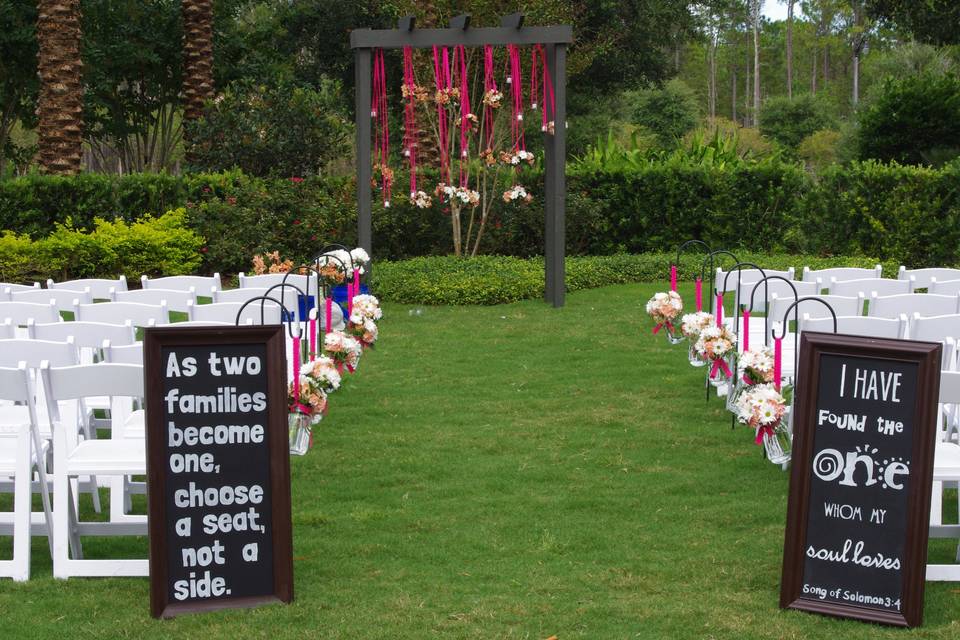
(511, 31)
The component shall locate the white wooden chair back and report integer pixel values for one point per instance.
(857, 325)
(841, 273)
(201, 285)
(208, 323)
(138, 315)
(934, 328)
(34, 352)
(125, 354)
(7, 329)
(746, 275)
(923, 277)
(869, 286)
(306, 283)
(777, 288)
(84, 334)
(63, 299)
(925, 304)
(175, 300)
(227, 312)
(239, 295)
(13, 287)
(944, 287)
(99, 287)
(22, 312)
(842, 306)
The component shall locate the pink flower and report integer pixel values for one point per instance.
(296, 179)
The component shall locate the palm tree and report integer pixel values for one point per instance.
(60, 103)
(197, 56)
(790, 4)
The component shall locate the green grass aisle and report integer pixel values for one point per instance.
(509, 472)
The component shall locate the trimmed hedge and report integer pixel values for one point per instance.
(152, 246)
(486, 280)
(904, 214)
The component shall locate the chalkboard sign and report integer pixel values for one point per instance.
(218, 468)
(859, 506)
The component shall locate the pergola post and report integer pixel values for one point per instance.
(362, 58)
(511, 31)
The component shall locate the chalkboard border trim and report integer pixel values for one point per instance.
(273, 337)
(927, 356)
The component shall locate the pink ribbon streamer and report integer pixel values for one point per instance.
(380, 114)
(719, 309)
(657, 328)
(328, 311)
(356, 282)
(762, 431)
(673, 277)
(720, 365)
(699, 289)
(410, 118)
(746, 330)
(296, 368)
(349, 299)
(313, 336)
(777, 362)
(516, 91)
(441, 77)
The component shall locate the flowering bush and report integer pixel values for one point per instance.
(276, 265)
(421, 200)
(693, 323)
(664, 308)
(517, 192)
(761, 407)
(459, 195)
(344, 350)
(756, 365)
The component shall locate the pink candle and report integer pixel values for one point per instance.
(746, 330)
(673, 277)
(699, 286)
(328, 303)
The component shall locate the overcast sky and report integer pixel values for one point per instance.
(776, 10)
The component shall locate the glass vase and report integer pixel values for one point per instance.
(779, 444)
(674, 336)
(300, 428)
(692, 356)
(734, 395)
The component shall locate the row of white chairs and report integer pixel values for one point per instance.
(917, 278)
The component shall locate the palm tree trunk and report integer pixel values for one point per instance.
(757, 7)
(790, 4)
(60, 103)
(197, 56)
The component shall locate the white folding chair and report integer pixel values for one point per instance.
(870, 286)
(841, 273)
(7, 329)
(63, 299)
(722, 283)
(842, 306)
(20, 453)
(946, 469)
(138, 315)
(99, 287)
(22, 312)
(117, 456)
(925, 304)
(87, 336)
(923, 277)
(934, 328)
(227, 312)
(944, 287)
(175, 300)
(13, 288)
(207, 323)
(238, 295)
(857, 325)
(306, 283)
(201, 285)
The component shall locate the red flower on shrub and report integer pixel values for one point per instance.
(296, 179)
(231, 200)
(296, 222)
(203, 249)
(313, 237)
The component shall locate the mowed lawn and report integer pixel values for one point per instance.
(507, 472)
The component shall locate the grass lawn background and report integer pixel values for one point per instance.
(507, 472)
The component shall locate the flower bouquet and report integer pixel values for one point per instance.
(691, 324)
(714, 345)
(754, 366)
(344, 350)
(763, 408)
(307, 399)
(664, 308)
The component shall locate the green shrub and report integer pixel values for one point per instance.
(669, 111)
(151, 246)
(486, 280)
(789, 121)
(820, 149)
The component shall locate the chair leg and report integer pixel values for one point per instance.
(21, 517)
(62, 508)
(936, 504)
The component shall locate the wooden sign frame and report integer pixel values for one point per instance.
(926, 356)
(272, 337)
